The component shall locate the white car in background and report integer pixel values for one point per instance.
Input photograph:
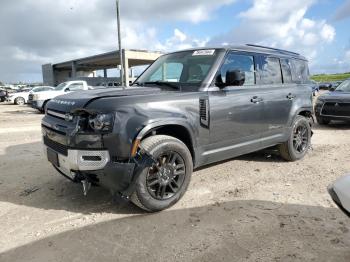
(21, 98)
(39, 100)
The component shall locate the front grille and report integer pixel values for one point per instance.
(59, 148)
(56, 113)
(336, 109)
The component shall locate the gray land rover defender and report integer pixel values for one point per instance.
(188, 109)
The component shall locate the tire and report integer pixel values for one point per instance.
(322, 121)
(162, 185)
(301, 134)
(20, 101)
(43, 109)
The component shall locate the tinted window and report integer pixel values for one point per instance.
(243, 63)
(270, 71)
(286, 70)
(301, 69)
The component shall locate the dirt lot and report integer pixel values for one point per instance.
(253, 208)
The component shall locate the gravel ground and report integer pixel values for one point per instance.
(253, 208)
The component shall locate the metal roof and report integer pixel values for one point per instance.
(109, 60)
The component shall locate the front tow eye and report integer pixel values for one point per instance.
(86, 186)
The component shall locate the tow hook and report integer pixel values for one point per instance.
(86, 186)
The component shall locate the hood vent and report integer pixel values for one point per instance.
(204, 112)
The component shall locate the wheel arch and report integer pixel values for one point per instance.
(177, 129)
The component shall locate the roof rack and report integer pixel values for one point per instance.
(272, 48)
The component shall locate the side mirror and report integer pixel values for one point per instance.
(332, 89)
(233, 78)
(67, 89)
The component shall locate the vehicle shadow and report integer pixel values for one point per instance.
(231, 231)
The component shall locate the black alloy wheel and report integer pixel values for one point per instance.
(166, 177)
(300, 138)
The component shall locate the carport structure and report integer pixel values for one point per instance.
(54, 74)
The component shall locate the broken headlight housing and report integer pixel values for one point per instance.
(101, 122)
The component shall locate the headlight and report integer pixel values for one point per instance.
(101, 122)
(36, 97)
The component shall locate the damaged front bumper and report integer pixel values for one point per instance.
(96, 167)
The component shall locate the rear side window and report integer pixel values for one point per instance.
(301, 74)
(270, 72)
(244, 63)
(286, 71)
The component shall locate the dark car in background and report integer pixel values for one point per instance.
(3, 95)
(325, 86)
(335, 85)
(334, 105)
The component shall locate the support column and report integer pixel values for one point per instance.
(126, 68)
(105, 73)
(74, 70)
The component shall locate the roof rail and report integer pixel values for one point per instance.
(272, 48)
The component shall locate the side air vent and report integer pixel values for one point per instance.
(204, 112)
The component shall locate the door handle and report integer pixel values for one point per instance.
(290, 96)
(256, 100)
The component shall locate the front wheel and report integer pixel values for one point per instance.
(299, 141)
(19, 101)
(165, 182)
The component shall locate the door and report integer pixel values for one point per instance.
(279, 93)
(235, 111)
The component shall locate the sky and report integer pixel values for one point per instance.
(33, 33)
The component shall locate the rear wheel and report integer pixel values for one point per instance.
(163, 184)
(299, 141)
(20, 101)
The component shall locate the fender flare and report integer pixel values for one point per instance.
(169, 121)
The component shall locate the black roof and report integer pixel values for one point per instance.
(256, 49)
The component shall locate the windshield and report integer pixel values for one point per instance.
(61, 86)
(41, 88)
(344, 87)
(181, 69)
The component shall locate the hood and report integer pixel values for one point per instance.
(70, 101)
(336, 96)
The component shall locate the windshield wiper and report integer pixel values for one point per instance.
(161, 83)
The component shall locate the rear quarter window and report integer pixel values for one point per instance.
(301, 71)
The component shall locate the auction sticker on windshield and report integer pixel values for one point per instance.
(204, 52)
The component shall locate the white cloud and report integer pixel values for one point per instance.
(281, 24)
(42, 31)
